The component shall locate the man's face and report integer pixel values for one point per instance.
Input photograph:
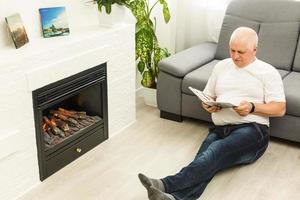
(241, 54)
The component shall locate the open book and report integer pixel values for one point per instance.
(210, 101)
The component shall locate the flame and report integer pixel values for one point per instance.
(44, 126)
(53, 122)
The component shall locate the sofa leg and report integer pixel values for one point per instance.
(170, 116)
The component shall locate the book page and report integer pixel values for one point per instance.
(210, 101)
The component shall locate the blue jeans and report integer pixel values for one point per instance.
(224, 147)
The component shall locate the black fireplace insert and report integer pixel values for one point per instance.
(70, 118)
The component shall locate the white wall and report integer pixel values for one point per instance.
(191, 27)
(166, 33)
(192, 22)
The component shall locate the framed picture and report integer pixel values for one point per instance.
(17, 30)
(54, 21)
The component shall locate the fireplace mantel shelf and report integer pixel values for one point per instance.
(45, 50)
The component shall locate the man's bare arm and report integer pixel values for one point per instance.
(271, 109)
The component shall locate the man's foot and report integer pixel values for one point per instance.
(148, 182)
(155, 194)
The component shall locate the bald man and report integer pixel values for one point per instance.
(240, 134)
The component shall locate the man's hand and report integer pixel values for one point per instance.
(210, 109)
(244, 108)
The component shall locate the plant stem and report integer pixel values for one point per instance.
(153, 7)
(147, 5)
(154, 48)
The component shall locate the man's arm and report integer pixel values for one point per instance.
(271, 109)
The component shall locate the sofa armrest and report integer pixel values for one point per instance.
(187, 60)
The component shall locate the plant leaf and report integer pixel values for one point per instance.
(141, 66)
(144, 44)
(160, 53)
(99, 6)
(166, 11)
(120, 2)
(138, 8)
(148, 80)
(106, 4)
(108, 8)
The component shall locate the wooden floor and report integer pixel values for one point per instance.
(159, 147)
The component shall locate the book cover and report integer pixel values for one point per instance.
(54, 21)
(16, 30)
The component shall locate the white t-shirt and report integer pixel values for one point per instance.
(258, 82)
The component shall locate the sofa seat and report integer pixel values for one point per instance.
(198, 78)
(283, 73)
(291, 88)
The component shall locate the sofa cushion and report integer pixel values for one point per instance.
(265, 10)
(296, 65)
(230, 23)
(277, 43)
(198, 78)
(291, 88)
(186, 61)
(283, 72)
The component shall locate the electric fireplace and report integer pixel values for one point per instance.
(70, 118)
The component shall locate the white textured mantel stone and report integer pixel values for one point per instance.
(46, 61)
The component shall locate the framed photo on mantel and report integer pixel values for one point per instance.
(16, 30)
(54, 21)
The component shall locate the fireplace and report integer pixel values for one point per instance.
(70, 118)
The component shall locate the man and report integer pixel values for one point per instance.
(240, 134)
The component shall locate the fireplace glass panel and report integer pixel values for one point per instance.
(69, 117)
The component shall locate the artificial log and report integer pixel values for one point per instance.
(64, 123)
(60, 123)
(84, 122)
(47, 129)
(73, 114)
(74, 129)
(64, 117)
(54, 128)
(49, 137)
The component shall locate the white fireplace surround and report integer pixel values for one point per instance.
(45, 61)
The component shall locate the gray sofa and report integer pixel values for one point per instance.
(277, 23)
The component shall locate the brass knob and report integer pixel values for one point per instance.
(78, 150)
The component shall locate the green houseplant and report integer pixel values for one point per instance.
(148, 51)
